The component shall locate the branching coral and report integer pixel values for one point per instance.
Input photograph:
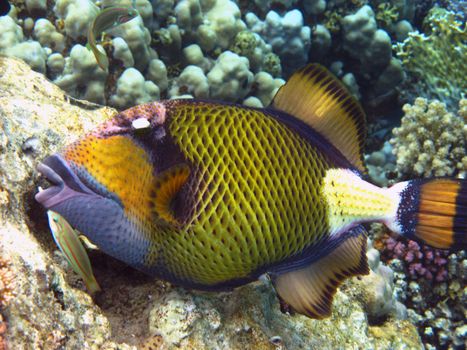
(421, 261)
(386, 14)
(431, 141)
(435, 62)
(430, 283)
(245, 43)
(6, 282)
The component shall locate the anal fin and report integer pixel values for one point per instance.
(310, 290)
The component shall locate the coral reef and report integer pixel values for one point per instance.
(7, 280)
(80, 76)
(435, 61)
(381, 163)
(48, 36)
(230, 78)
(138, 39)
(431, 141)
(386, 14)
(12, 44)
(421, 261)
(191, 82)
(76, 15)
(289, 38)
(259, 54)
(276, 37)
(378, 289)
(349, 35)
(133, 89)
(458, 7)
(371, 47)
(364, 41)
(430, 283)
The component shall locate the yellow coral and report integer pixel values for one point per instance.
(386, 14)
(431, 141)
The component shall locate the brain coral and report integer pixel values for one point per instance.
(431, 141)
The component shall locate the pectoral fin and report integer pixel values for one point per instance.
(310, 290)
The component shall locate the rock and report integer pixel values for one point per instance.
(250, 317)
(45, 311)
(46, 305)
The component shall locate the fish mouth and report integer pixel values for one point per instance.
(65, 184)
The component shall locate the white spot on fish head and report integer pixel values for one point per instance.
(140, 123)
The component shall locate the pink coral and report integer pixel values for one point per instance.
(421, 261)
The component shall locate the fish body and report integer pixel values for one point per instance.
(212, 195)
(107, 19)
(69, 243)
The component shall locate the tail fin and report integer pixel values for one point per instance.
(432, 211)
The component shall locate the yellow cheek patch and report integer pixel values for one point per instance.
(121, 166)
(167, 186)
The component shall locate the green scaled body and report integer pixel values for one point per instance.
(252, 198)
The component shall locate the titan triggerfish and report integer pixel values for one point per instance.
(211, 195)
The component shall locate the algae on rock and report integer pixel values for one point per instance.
(435, 61)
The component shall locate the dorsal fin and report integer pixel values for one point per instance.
(310, 290)
(168, 184)
(315, 96)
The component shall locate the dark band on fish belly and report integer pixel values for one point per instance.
(316, 251)
(160, 271)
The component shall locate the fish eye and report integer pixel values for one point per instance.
(140, 123)
(276, 340)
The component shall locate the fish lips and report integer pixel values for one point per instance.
(65, 183)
